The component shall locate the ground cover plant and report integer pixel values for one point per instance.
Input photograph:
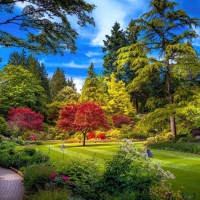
(184, 166)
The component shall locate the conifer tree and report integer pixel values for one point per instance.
(118, 98)
(112, 44)
(169, 32)
(57, 82)
(90, 87)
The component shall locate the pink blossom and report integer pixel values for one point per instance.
(53, 176)
(66, 178)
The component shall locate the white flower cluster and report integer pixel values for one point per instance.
(130, 151)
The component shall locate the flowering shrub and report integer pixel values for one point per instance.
(132, 171)
(164, 192)
(101, 136)
(58, 181)
(91, 135)
(83, 173)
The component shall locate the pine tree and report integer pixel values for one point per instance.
(158, 32)
(70, 83)
(90, 87)
(112, 44)
(17, 59)
(57, 82)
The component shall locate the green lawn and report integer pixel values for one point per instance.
(185, 166)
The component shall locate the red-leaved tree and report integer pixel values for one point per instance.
(24, 119)
(85, 117)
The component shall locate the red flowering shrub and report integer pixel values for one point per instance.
(119, 120)
(101, 136)
(91, 135)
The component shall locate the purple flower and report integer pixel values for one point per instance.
(168, 194)
(53, 176)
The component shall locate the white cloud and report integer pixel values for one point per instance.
(42, 60)
(72, 64)
(108, 12)
(79, 83)
(22, 4)
(94, 60)
(196, 42)
(91, 54)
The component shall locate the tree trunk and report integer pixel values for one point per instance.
(173, 126)
(84, 136)
(136, 106)
(172, 119)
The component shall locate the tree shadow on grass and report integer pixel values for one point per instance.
(89, 145)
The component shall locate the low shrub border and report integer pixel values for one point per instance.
(182, 147)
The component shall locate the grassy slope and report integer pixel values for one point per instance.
(185, 166)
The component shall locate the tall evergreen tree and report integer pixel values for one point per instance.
(112, 44)
(70, 83)
(17, 59)
(90, 90)
(57, 82)
(165, 30)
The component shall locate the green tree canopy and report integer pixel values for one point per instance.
(20, 88)
(34, 66)
(118, 97)
(57, 82)
(112, 44)
(37, 22)
(67, 95)
(169, 32)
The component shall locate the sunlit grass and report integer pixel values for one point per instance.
(185, 166)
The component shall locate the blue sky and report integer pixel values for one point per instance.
(90, 39)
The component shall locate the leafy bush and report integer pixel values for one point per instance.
(7, 144)
(3, 126)
(113, 133)
(21, 157)
(83, 175)
(37, 177)
(72, 140)
(120, 120)
(160, 138)
(61, 194)
(183, 147)
(131, 171)
(1, 138)
(30, 151)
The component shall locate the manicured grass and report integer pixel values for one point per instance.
(185, 166)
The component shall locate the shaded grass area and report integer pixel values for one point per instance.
(185, 166)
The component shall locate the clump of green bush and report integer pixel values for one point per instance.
(183, 147)
(20, 157)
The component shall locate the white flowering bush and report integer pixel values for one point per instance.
(131, 170)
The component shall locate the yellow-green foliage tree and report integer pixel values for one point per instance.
(94, 88)
(118, 98)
